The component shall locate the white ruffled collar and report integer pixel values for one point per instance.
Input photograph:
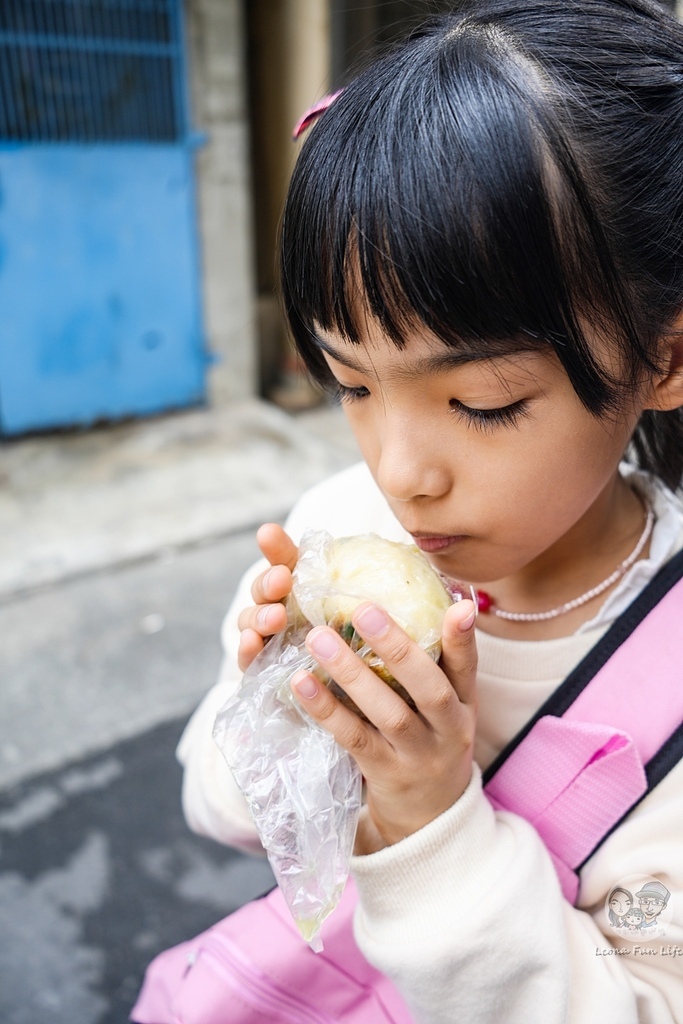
(665, 541)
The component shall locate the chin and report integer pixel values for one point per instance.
(450, 564)
(458, 565)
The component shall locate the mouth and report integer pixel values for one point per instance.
(431, 542)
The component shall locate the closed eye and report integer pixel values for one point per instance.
(346, 394)
(489, 419)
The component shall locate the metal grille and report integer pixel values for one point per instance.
(91, 71)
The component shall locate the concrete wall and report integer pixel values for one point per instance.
(218, 84)
(289, 49)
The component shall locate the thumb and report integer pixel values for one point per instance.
(459, 649)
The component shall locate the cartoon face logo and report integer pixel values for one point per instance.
(638, 907)
(619, 902)
(634, 919)
(652, 899)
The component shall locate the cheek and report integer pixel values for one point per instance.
(581, 454)
(365, 432)
(546, 476)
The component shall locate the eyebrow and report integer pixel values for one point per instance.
(437, 363)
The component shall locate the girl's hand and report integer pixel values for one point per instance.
(416, 764)
(267, 615)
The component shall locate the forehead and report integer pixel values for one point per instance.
(422, 354)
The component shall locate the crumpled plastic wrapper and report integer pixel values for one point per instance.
(303, 790)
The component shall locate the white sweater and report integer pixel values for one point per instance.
(466, 915)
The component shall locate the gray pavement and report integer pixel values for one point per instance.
(119, 552)
(74, 503)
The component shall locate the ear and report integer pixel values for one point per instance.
(667, 389)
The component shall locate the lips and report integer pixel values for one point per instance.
(434, 542)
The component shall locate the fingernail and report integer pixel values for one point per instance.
(468, 621)
(372, 621)
(305, 685)
(323, 644)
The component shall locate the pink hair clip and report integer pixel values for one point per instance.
(313, 113)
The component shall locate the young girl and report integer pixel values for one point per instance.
(482, 254)
(634, 920)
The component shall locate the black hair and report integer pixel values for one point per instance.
(505, 176)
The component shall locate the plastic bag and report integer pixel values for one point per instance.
(302, 788)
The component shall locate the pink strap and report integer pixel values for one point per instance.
(572, 781)
(576, 776)
(639, 689)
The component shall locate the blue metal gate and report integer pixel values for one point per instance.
(100, 314)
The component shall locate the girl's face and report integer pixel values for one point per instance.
(494, 466)
(620, 904)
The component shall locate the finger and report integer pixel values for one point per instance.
(385, 708)
(277, 546)
(275, 583)
(264, 619)
(459, 650)
(272, 585)
(424, 680)
(351, 732)
(251, 644)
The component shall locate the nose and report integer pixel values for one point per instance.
(412, 461)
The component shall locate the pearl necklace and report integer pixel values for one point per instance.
(486, 603)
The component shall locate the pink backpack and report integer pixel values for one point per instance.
(604, 739)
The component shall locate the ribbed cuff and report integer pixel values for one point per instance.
(401, 887)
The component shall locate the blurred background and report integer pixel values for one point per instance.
(152, 414)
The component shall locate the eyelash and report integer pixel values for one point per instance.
(345, 394)
(482, 419)
(488, 419)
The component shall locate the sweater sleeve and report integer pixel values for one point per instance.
(468, 919)
(212, 802)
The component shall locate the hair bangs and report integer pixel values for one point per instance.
(437, 191)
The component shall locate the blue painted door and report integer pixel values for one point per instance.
(100, 313)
